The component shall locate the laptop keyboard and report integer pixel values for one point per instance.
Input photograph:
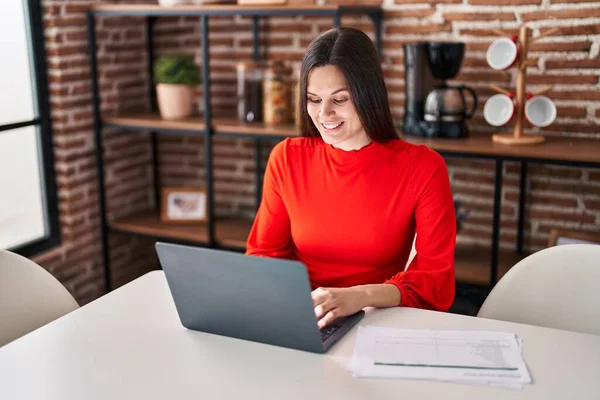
(329, 330)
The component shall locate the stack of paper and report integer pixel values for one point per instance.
(470, 357)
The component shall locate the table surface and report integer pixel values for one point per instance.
(130, 344)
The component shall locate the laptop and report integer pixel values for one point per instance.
(261, 299)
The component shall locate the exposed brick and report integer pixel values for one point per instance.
(557, 172)
(486, 32)
(410, 13)
(573, 64)
(573, 127)
(475, 63)
(67, 50)
(392, 74)
(72, 21)
(62, 64)
(51, 10)
(559, 46)
(479, 16)
(492, 76)
(579, 189)
(417, 29)
(69, 77)
(477, 46)
(75, 8)
(549, 200)
(473, 178)
(562, 216)
(562, 14)
(594, 176)
(428, 1)
(593, 29)
(573, 1)
(269, 41)
(393, 44)
(592, 205)
(72, 144)
(284, 56)
(504, 2)
(354, 2)
(478, 165)
(575, 112)
(562, 79)
(576, 95)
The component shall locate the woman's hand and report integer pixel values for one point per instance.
(332, 303)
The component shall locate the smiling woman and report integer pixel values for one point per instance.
(349, 196)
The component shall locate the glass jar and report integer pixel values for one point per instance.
(277, 91)
(250, 91)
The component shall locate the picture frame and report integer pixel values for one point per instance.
(184, 205)
(565, 236)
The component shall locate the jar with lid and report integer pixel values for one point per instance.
(250, 91)
(277, 91)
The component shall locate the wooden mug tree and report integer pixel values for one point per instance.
(517, 136)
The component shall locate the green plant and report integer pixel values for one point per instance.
(176, 69)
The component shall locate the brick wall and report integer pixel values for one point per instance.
(557, 196)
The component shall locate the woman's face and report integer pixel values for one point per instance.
(331, 109)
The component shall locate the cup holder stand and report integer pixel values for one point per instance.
(518, 137)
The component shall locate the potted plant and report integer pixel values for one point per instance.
(175, 77)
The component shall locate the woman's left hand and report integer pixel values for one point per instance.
(332, 303)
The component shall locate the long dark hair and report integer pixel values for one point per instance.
(353, 52)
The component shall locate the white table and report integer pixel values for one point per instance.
(130, 344)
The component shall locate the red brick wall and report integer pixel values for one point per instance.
(557, 196)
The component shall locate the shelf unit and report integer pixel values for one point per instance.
(229, 233)
(470, 261)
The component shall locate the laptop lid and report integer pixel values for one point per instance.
(261, 299)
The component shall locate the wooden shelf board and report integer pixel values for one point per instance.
(153, 120)
(472, 263)
(234, 126)
(228, 232)
(554, 148)
(221, 125)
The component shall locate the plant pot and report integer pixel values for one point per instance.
(175, 101)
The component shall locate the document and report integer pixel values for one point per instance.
(470, 357)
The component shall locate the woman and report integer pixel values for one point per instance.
(349, 196)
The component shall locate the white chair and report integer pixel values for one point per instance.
(558, 287)
(30, 297)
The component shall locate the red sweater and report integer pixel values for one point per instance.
(351, 217)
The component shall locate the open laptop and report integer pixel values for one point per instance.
(265, 300)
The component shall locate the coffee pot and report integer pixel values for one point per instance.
(433, 108)
(448, 104)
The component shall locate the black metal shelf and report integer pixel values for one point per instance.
(208, 126)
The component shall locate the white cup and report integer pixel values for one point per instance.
(502, 53)
(499, 110)
(540, 111)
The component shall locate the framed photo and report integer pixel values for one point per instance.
(183, 204)
(563, 236)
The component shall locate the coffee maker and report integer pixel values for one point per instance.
(433, 108)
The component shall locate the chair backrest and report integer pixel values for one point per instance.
(30, 297)
(557, 287)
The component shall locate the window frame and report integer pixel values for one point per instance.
(35, 35)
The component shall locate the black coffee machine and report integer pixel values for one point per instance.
(432, 107)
